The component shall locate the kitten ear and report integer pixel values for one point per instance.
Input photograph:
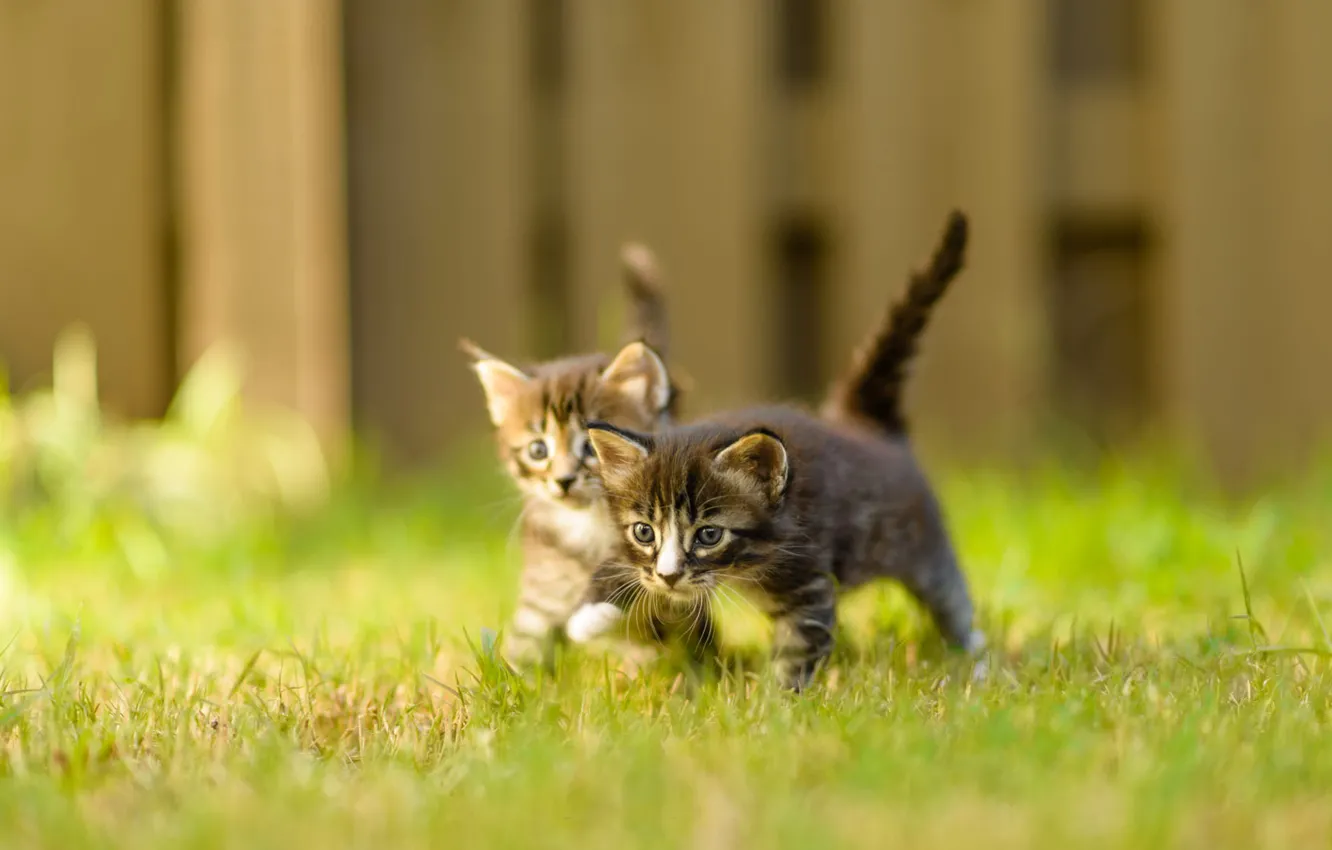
(619, 452)
(638, 373)
(502, 383)
(759, 457)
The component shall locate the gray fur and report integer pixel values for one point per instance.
(850, 505)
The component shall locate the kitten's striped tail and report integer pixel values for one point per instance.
(647, 305)
(647, 314)
(873, 389)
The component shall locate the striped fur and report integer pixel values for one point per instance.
(540, 415)
(804, 507)
(783, 507)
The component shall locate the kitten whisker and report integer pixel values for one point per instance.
(512, 537)
(740, 577)
(624, 593)
(502, 502)
(639, 614)
(702, 630)
(741, 600)
(832, 501)
(699, 605)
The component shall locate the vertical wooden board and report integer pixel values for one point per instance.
(438, 105)
(604, 126)
(262, 215)
(81, 186)
(666, 108)
(319, 211)
(1212, 225)
(1299, 264)
(885, 195)
(982, 382)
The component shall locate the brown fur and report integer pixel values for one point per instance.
(566, 528)
(649, 321)
(805, 509)
(560, 555)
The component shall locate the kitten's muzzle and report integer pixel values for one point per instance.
(671, 587)
(565, 482)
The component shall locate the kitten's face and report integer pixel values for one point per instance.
(541, 415)
(693, 510)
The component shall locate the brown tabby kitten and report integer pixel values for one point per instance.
(787, 507)
(540, 414)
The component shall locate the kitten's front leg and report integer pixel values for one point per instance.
(609, 594)
(530, 635)
(550, 586)
(803, 635)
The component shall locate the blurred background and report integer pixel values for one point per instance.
(342, 189)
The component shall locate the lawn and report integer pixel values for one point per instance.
(255, 680)
(325, 682)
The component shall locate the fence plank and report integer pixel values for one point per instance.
(439, 106)
(1300, 260)
(882, 85)
(944, 106)
(81, 192)
(666, 106)
(262, 198)
(992, 339)
(1210, 205)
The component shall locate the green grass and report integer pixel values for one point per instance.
(323, 683)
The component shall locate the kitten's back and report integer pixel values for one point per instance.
(797, 509)
(826, 453)
(856, 495)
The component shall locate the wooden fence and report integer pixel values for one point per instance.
(345, 188)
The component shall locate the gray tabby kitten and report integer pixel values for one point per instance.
(787, 507)
(540, 414)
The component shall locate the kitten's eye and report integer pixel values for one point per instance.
(538, 450)
(708, 535)
(643, 533)
(588, 452)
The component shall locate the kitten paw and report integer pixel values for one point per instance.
(974, 646)
(975, 643)
(592, 621)
(522, 651)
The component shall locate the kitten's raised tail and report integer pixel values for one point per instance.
(872, 391)
(647, 305)
(648, 321)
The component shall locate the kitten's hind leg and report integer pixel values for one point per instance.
(940, 586)
(804, 632)
(550, 585)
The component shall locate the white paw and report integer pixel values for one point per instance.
(975, 643)
(592, 621)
